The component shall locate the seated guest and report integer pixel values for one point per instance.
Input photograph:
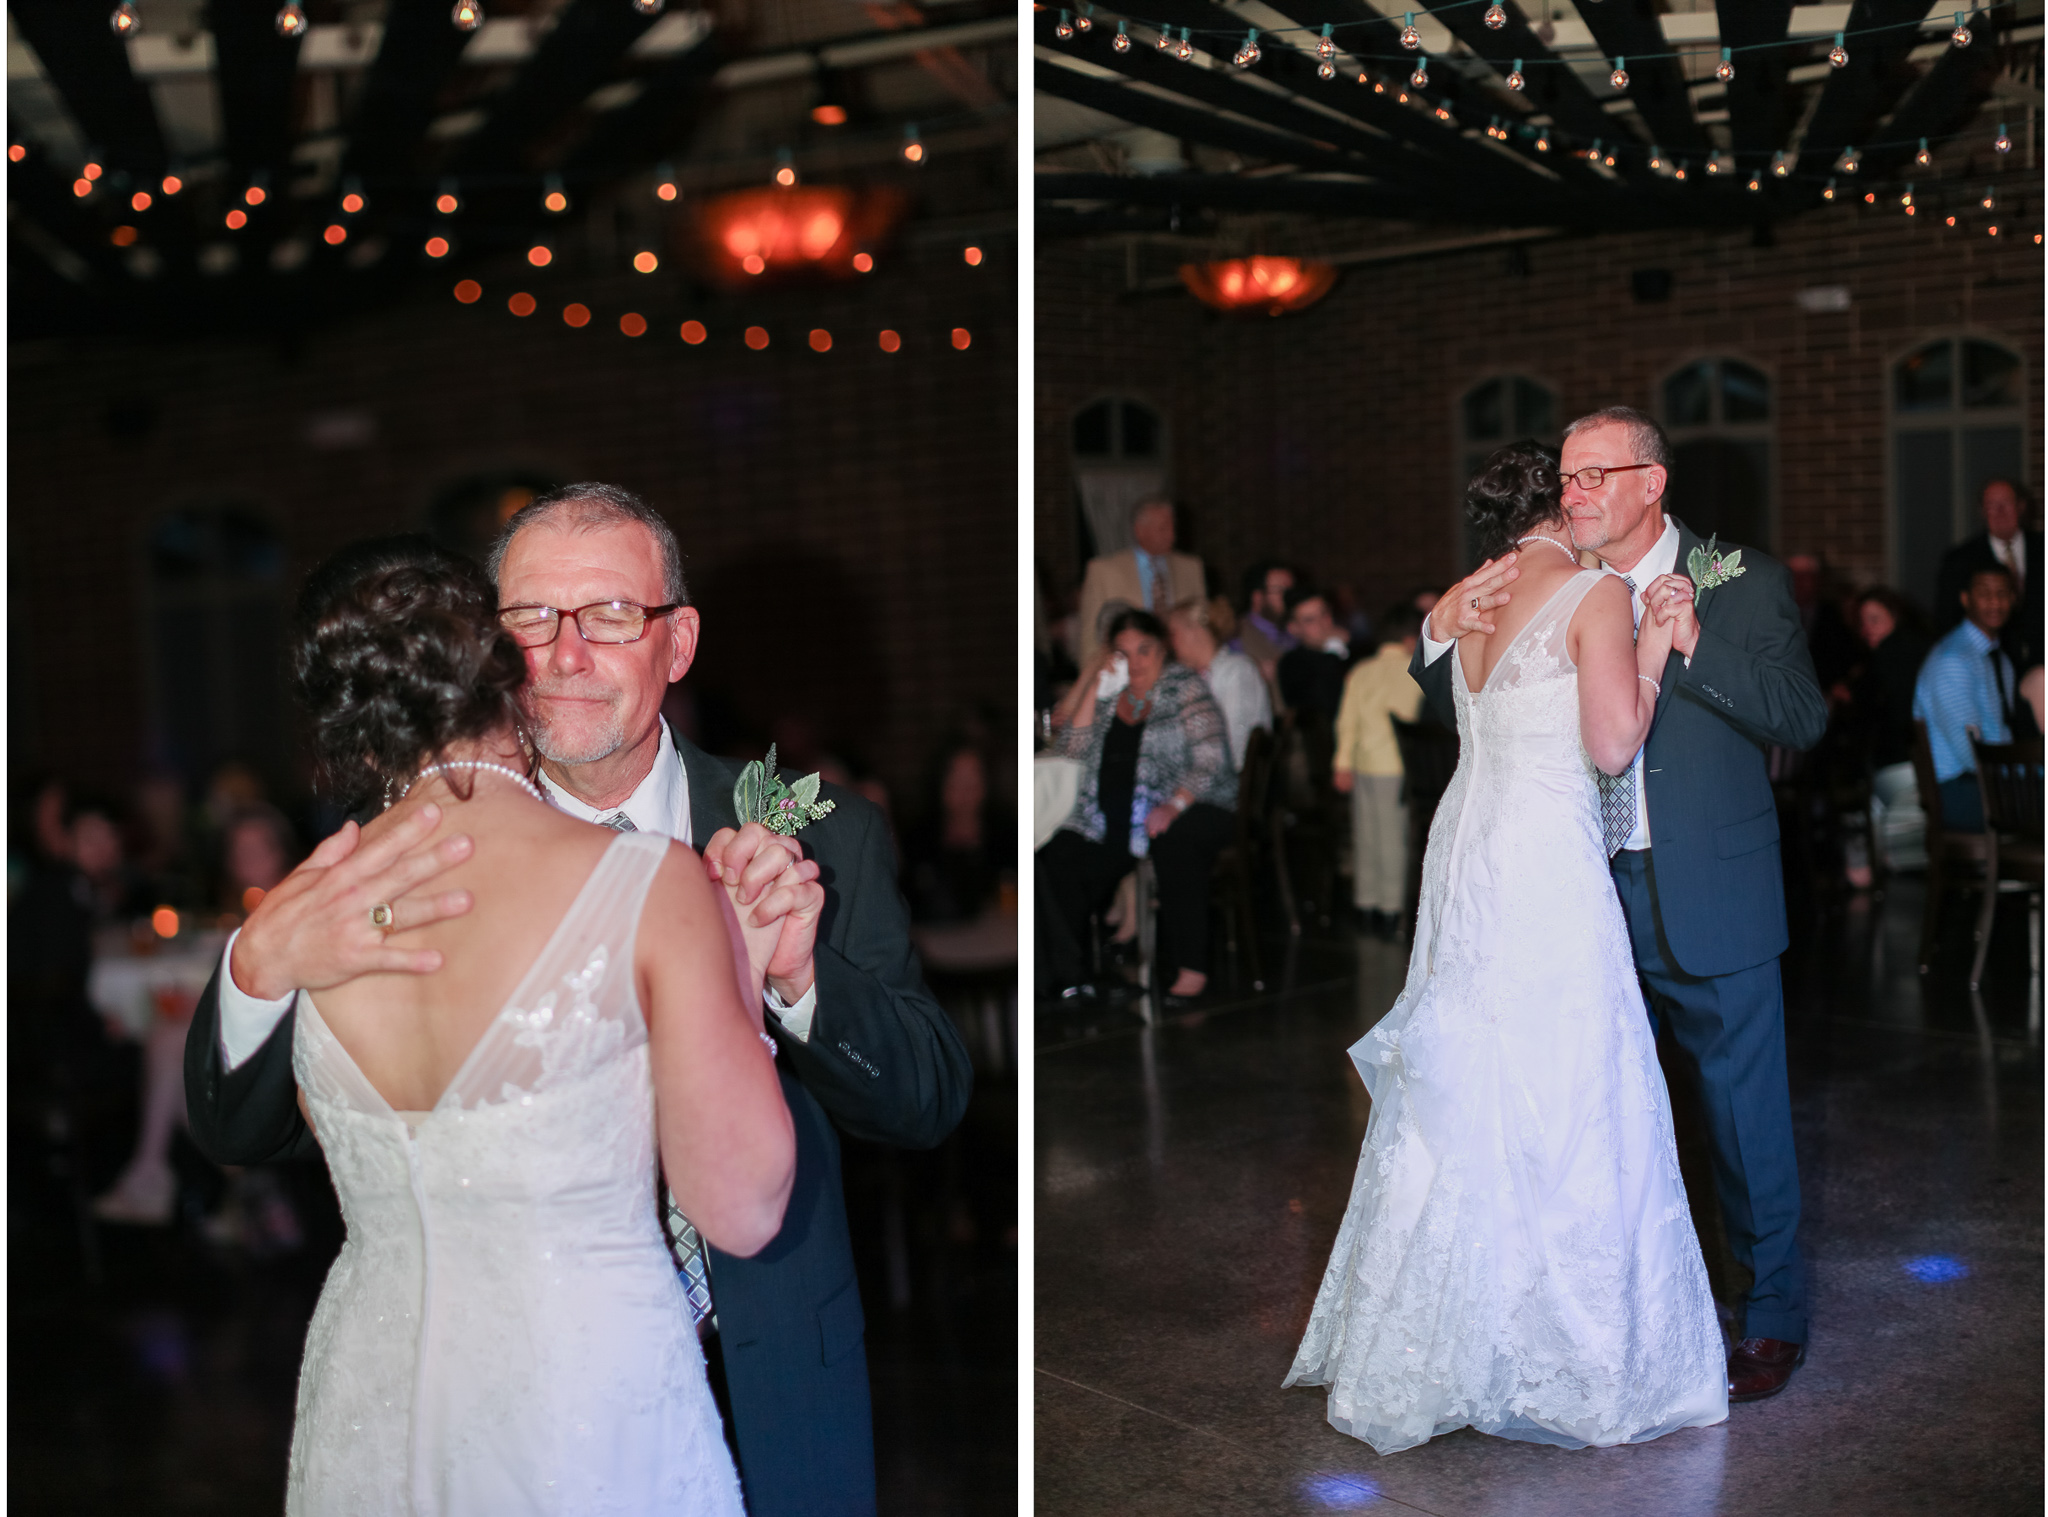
(1263, 636)
(1232, 677)
(1155, 776)
(1148, 574)
(2005, 542)
(1876, 704)
(1312, 674)
(956, 853)
(1968, 681)
(1367, 767)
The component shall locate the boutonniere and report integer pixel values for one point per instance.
(760, 796)
(1709, 569)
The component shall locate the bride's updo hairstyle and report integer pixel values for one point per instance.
(396, 653)
(1516, 491)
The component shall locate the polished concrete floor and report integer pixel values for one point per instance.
(1190, 1178)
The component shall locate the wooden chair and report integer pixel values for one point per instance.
(1955, 860)
(1429, 757)
(2009, 778)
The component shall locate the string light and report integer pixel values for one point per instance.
(649, 7)
(1951, 221)
(1515, 79)
(1249, 53)
(1186, 50)
(1781, 164)
(446, 202)
(1725, 70)
(1756, 182)
(291, 21)
(1496, 17)
(785, 168)
(468, 15)
(140, 200)
(352, 195)
(1829, 192)
(863, 263)
(256, 194)
(1085, 22)
(16, 152)
(336, 234)
(236, 219)
(1123, 39)
(913, 149)
(124, 21)
(1850, 160)
(437, 247)
(645, 262)
(665, 183)
(1961, 35)
(1326, 70)
(1838, 55)
(1420, 78)
(1713, 163)
(1326, 45)
(1064, 28)
(1990, 201)
(1166, 39)
(1906, 199)
(1923, 157)
(1656, 159)
(1679, 172)
(540, 255)
(1542, 142)
(1870, 197)
(1619, 78)
(2004, 142)
(1410, 37)
(92, 171)
(555, 201)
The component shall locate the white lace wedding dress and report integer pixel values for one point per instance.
(503, 1332)
(1517, 1255)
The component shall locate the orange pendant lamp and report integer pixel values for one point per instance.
(1274, 286)
(750, 236)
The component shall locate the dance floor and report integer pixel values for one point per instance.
(1190, 1179)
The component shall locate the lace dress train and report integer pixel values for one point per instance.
(503, 1332)
(1517, 1255)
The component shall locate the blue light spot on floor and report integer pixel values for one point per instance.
(1341, 1493)
(1934, 1269)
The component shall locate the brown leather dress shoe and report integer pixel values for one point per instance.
(1759, 1367)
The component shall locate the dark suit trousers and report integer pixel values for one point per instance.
(1733, 1026)
(1076, 876)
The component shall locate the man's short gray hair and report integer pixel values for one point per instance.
(1645, 438)
(592, 506)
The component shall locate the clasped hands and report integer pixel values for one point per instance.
(1468, 605)
(314, 930)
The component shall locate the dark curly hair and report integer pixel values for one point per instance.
(1516, 489)
(396, 653)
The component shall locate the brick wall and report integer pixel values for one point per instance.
(848, 518)
(1331, 438)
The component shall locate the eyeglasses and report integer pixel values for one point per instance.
(602, 621)
(1589, 479)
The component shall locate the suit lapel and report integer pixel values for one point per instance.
(710, 784)
(1687, 541)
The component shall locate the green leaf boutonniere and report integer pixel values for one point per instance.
(760, 796)
(1710, 569)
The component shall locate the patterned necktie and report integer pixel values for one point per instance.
(1618, 791)
(685, 1244)
(1998, 684)
(1162, 593)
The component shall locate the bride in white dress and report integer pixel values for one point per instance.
(1517, 1255)
(503, 1331)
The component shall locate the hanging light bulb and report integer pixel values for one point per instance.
(1829, 192)
(649, 7)
(1326, 45)
(1906, 200)
(1085, 22)
(785, 168)
(1420, 78)
(1186, 50)
(1656, 159)
(291, 21)
(352, 196)
(1410, 37)
(1850, 160)
(1166, 39)
(2004, 142)
(1122, 42)
(1781, 165)
(1249, 53)
(468, 15)
(1923, 157)
(124, 21)
(913, 150)
(1713, 163)
(1515, 79)
(1326, 70)
(447, 202)
(1619, 78)
(1542, 141)
(664, 183)
(1496, 17)
(1961, 35)
(1679, 172)
(1064, 29)
(1990, 201)
(554, 200)
(1725, 70)
(1838, 55)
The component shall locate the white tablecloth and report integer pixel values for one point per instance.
(1055, 786)
(124, 987)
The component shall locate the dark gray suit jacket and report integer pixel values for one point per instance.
(1713, 818)
(883, 1063)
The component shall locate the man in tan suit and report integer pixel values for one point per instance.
(1149, 575)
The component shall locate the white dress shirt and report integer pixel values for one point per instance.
(660, 803)
(2012, 552)
(1661, 559)
(1240, 691)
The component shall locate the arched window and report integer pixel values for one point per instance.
(1119, 453)
(1500, 410)
(1958, 418)
(216, 626)
(1719, 416)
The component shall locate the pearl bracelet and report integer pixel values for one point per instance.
(1653, 684)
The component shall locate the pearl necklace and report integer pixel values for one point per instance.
(1538, 537)
(475, 764)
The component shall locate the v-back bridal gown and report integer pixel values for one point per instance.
(503, 1332)
(1517, 1255)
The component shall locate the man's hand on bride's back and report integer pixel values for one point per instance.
(1468, 606)
(775, 893)
(314, 930)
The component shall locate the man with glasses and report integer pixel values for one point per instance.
(590, 584)
(1693, 833)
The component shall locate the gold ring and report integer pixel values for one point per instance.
(382, 917)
